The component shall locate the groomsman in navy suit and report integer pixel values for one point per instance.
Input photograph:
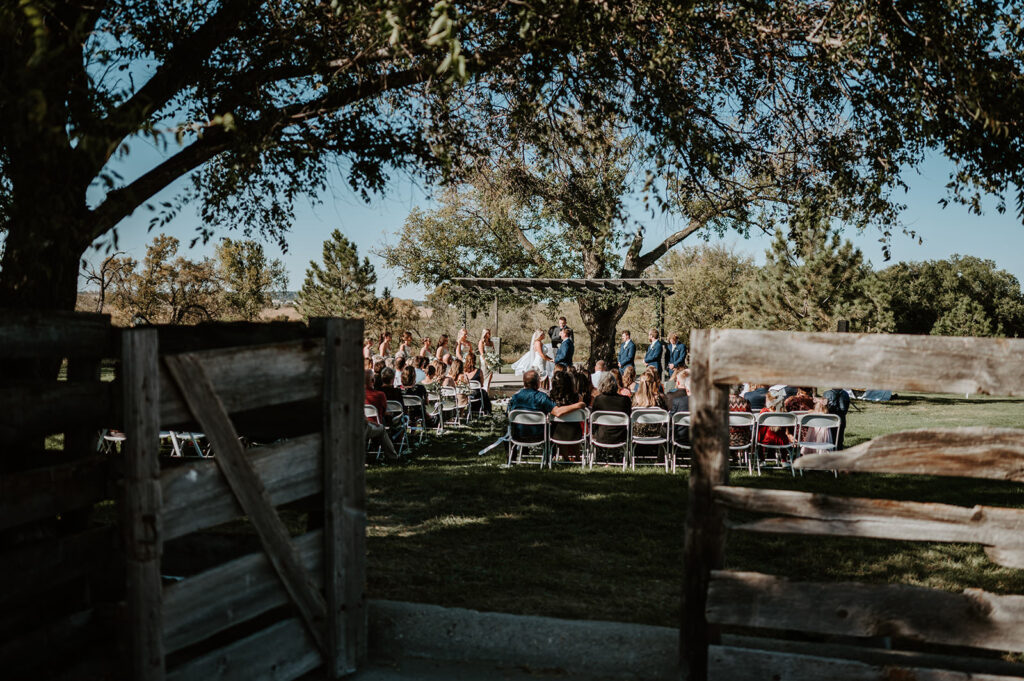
(676, 353)
(654, 352)
(565, 348)
(627, 351)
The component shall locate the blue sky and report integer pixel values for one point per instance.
(945, 231)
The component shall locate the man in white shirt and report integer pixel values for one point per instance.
(600, 369)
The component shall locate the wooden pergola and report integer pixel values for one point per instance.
(529, 285)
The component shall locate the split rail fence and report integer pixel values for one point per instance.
(938, 635)
(86, 597)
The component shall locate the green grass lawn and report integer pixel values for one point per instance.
(456, 529)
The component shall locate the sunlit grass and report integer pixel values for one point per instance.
(457, 529)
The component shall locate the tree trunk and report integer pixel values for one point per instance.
(40, 267)
(601, 317)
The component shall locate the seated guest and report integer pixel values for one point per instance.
(757, 397)
(387, 381)
(454, 378)
(802, 401)
(413, 389)
(628, 382)
(420, 364)
(739, 436)
(655, 377)
(584, 386)
(610, 399)
(435, 373)
(618, 380)
(816, 434)
(375, 432)
(531, 398)
(679, 401)
(775, 435)
(563, 394)
(473, 373)
(648, 395)
(600, 368)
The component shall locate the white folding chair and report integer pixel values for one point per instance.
(475, 399)
(648, 416)
(773, 419)
(371, 414)
(680, 419)
(522, 436)
(183, 437)
(744, 451)
(450, 405)
(417, 415)
(611, 419)
(829, 422)
(399, 424)
(578, 416)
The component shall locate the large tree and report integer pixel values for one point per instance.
(255, 102)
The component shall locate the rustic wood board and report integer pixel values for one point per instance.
(57, 406)
(206, 406)
(56, 334)
(974, 618)
(823, 514)
(251, 377)
(280, 652)
(230, 593)
(704, 529)
(728, 663)
(46, 492)
(289, 470)
(970, 452)
(987, 366)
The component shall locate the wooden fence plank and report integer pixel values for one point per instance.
(704, 539)
(54, 407)
(42, 566)
(344, 498)
(248, 378)
(988, 366)
(45, 492)
(207, 408)
(55, 333)
(823, 514)
(176, 339)
(729, 663)
(231, 593)
(290, 470)
(81, 442)
(141, 507)
(974, 618)
(971, 452)
(280, 652)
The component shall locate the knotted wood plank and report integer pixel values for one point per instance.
(207, 408)
(970, 452)
(987, 366)
(974, 618)
(823, 514)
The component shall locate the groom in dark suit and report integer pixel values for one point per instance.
(565, 348)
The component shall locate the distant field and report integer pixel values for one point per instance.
(456, 529)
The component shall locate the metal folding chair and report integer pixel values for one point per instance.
(649, 416)
(371, 414)
(771, 419)
(680, 419)
(417, 415)
(579, 416)
(521, 440)
(744, 451)
(399, 424)
(830, 422)
(609, 418)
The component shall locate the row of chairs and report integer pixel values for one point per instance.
(411, 417)
(530, 430)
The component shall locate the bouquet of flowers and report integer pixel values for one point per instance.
(494, 362)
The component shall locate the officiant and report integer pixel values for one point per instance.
(554, 333)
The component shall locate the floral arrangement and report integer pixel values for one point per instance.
(494, 361)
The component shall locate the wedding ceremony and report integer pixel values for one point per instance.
(390, 340)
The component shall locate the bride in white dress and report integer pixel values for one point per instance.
(534, 359)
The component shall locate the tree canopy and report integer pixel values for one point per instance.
(254, 103)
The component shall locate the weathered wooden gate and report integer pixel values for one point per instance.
(714, 597)
(178, 630)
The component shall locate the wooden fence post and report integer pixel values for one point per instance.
(344, 450)
(705, 522)
(141, 507)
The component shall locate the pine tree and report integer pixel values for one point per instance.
(811, 280)
(343, 286)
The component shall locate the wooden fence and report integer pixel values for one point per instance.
(84, 588)
(950, 623)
